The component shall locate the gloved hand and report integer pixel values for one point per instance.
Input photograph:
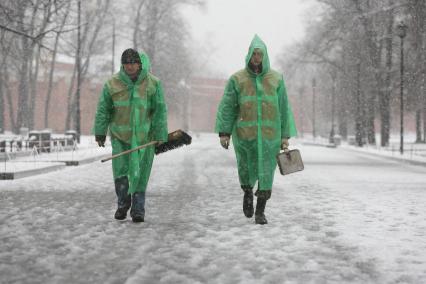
(101, 140)
(284, 144)
(224, 141)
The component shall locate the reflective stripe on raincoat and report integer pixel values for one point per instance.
(256, 110)
(134, 113)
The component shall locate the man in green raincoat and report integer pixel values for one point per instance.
(255, 110)
(132, 108)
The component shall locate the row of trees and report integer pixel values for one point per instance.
(353, 51)
(162, 33)
(34, 32)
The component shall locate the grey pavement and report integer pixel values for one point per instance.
(347, 218)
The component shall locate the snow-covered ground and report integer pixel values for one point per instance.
(347, 218)
(29, 160)
(412, 152)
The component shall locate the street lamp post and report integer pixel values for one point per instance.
(313, 107)
(402, 32)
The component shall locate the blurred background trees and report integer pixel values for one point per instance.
(91, 34)
(344, 76)
(353, 50)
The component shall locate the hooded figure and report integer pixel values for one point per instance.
(132, 108)
(255, 110)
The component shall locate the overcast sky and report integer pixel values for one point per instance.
(225, 28)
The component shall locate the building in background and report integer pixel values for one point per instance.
(203, 97)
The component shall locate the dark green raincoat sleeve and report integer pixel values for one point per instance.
(288, 126)
(159, 118)
(228, 109)
(103, 112)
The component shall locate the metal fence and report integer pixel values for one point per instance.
(42, 141)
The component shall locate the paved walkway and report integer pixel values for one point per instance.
(347, 218)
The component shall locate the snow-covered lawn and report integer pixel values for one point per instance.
(37, 161)
(347, 218)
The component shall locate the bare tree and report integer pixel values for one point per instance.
(356, 38)
(417, 23)
(160, 31)
(23, 73)
(62, 16)
(28, 25)
(5, 93)
(28, 22)
(95, 12)
(385, 91)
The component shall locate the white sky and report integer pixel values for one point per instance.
(225, 28)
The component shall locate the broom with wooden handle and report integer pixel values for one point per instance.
(175, 139)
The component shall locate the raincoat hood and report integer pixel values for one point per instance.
(146, 67)
(146, 63)
(257, 42)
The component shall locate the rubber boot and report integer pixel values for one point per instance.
(123, 199)
(138, 207)
(259, 215)
(248, 201)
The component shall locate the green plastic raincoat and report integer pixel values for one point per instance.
(256, 110)
(134, 113)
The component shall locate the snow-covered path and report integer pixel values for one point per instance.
(348, 218)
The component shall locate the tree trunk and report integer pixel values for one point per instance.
(342, 114)
(385, 92)
(50, 83)
(52, 68)
(301, 110)
(73, 101)
(9, 98)
(418, 126)
(370, 39)
(137, 24)
(70, 104)
(358, 116)
(1, 104)
(417, 11)
(23, 119)
(423, 66)
(371, 133)
(33, 92)
(22, 115)
(423, 91)
(369, 109)
(78, 63)
(152, 30)
(424, 118)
